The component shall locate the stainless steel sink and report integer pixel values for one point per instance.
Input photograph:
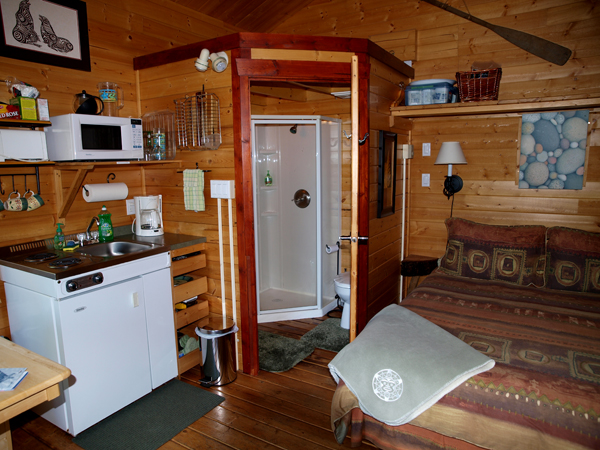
(118, 248)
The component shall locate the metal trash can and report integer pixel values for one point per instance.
(218, 352)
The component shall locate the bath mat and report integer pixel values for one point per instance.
(279, 353)
(328, 335)
(151, 421)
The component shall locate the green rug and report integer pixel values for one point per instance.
(328, 335)
(279, 353)
(152, 420)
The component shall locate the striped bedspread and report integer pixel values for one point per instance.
(544, 391)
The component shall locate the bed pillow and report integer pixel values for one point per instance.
(573, 260)
(515, 254)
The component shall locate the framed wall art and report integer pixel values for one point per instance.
(46, 32)
(553, 150)
(386, 181)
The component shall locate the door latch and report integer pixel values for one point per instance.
(360, 239)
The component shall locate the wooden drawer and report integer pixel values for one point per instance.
(187, 250)
(187, 265)
(191, 314)
(190, 289)
(186, 362)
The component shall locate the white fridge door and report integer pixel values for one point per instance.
(104, 344)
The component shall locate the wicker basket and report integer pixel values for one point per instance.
(478, 85)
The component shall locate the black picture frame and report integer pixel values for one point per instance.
(386, 180)
(41, 52)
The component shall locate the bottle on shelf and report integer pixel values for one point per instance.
(268, 179)
(105, 228)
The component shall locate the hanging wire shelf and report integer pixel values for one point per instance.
(198, 120)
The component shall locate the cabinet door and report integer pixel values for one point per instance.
(104, 343)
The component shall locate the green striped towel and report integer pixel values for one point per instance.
(193, 189)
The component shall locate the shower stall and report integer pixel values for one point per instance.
(297, 212)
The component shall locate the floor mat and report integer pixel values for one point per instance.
(279, 353)
(328, 335)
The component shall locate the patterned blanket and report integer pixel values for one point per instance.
(544, 391)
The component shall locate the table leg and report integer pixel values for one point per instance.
(5, 436)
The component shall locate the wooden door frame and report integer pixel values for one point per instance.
(244, 71)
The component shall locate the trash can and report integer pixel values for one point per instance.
(218, 352)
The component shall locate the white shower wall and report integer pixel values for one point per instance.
(294, 274)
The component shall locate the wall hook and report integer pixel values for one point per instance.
(109, 177)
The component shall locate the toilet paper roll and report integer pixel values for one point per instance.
(331, 248)
(104, 192)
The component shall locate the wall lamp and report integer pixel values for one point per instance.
(219, 61)
(451, 153)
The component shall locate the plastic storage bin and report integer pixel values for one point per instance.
(217, 342)
(159, 135)
(429, 92)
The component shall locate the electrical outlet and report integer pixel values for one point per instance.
(425, 180)
(130, 207)
(426, 149)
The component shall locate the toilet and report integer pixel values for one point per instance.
(342, 289)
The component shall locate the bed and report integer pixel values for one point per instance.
(527, 297)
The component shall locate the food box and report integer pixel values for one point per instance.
(42, 109)
(9, 112)
(26, 106)
(429, 92)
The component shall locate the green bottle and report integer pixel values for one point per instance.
(268, 179)
(59, 238)
(105, 228)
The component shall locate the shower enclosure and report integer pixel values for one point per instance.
(297, 210)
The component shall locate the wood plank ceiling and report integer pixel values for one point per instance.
(259, 16)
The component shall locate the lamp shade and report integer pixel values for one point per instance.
(451, 153)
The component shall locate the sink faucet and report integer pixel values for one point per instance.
(88, 237)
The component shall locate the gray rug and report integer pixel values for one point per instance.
(152, 420)
(279, 353)
(328, 335)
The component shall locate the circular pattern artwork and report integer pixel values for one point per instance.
(387, 385)
(553, 146)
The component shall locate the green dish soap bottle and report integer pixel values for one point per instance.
(105, 228)
(59, 238)
(268, 179)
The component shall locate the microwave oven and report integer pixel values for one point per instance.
(83, 137)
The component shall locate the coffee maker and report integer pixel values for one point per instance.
(148, 215)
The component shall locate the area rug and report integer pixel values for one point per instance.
(328, 335)
(279, 353)
(152, 420)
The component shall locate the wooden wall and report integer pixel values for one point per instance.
(385, 234)
(439, 44)
(118, 31)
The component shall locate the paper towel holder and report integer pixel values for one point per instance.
(108, 178)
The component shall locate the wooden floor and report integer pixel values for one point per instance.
(288, 410)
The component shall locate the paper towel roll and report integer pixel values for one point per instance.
(104, 192)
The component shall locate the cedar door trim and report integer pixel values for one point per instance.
(246, 70)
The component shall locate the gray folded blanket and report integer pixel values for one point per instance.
(401, 364)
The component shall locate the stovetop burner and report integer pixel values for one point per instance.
(64, 263)
(41, 257)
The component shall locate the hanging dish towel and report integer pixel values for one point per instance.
(193, 189)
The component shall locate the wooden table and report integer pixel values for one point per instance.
(40, 384)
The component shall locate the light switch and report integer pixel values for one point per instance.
(426, 149)
(130, 207)
(425, 180)
(222, 188)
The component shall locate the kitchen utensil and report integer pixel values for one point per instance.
(554, 53)
(148, 215)
(84, 103)
(112, 96)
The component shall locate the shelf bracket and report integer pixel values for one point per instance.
(65, 205)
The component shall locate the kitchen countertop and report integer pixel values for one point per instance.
(171, 240)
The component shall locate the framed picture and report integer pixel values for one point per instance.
(386, 181)
(553, 150)
(47, 32)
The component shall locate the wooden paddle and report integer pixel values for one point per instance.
(554, 53)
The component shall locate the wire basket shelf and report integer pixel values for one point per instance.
(198, 120)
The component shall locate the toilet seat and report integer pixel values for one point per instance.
(343, 280)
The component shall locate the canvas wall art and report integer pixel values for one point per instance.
(553, 150)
